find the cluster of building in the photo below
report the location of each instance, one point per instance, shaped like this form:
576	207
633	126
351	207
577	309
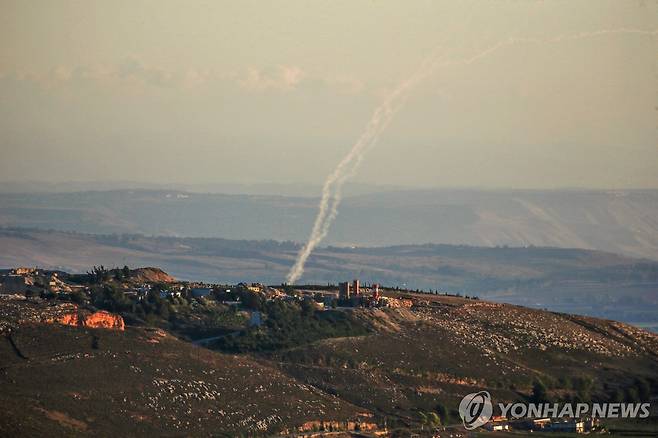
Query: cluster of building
268	292
35	281
31	280
352	294
569	425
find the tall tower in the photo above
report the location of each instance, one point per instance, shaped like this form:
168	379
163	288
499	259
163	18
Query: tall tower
344	290
357	287
375	292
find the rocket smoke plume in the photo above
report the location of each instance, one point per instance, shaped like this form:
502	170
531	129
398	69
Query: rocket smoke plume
381	118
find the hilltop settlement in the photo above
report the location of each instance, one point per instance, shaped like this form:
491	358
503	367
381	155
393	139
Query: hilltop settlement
136	351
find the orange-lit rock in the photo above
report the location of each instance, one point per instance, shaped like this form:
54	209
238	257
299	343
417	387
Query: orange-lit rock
103	319
151	275
65	313
100	319
333	426
398	303
365	426
69	319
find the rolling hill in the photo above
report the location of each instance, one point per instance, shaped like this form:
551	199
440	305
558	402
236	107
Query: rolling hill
570	280
144	382
410	363
623	222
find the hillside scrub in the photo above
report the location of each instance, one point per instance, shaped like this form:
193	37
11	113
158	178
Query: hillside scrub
289	324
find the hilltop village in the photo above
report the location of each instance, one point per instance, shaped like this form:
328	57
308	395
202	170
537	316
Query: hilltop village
358	358
237	318
112	289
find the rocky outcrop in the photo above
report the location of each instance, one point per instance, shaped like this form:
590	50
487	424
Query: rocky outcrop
100	319
335	426
103	319
154	275
69	319
398	303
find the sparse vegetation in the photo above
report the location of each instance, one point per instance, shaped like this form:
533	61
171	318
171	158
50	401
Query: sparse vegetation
289	324
409	365
539	392
578	280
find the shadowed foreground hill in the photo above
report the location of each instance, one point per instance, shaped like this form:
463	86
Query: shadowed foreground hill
444	348
413	364
63	381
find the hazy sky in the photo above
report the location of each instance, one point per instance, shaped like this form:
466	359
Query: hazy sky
203	92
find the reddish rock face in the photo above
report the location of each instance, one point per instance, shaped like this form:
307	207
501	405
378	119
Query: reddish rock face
330	425
103	319
69	319
151	274
100	319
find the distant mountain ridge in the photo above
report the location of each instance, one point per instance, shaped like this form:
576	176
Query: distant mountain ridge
623	222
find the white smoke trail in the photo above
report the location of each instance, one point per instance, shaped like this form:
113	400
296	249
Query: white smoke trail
332	188
381	118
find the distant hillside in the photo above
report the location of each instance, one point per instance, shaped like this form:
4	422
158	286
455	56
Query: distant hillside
623	222
228	188
571	280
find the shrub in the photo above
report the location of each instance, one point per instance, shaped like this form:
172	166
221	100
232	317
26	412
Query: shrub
442	413
539	392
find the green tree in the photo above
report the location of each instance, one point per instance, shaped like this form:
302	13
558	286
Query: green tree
643	389
307	307
539	392
433	419
617	396
78	296
98	274
631	395
252	300
163	310
443	413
